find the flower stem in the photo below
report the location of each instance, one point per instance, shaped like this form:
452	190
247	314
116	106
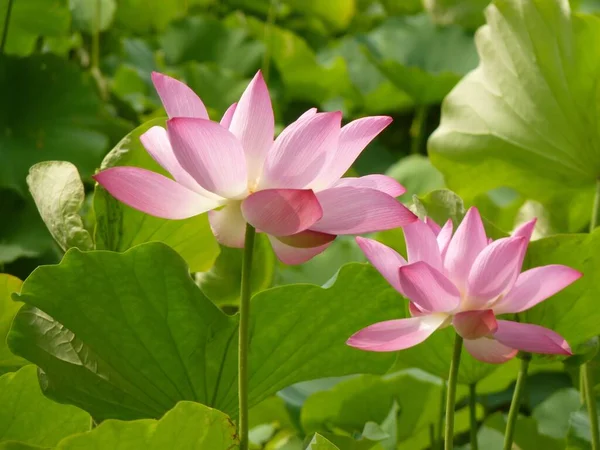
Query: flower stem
244	335
451	393
592	407
515	405
473	415
418	129
440	430
6	23
586	384
268	37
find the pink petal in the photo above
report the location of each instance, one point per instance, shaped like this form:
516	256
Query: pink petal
444	236
294	255
309	113
381	183
211	154
489	350
531	338
495	270
156	142
228	115
348	210
253	124
475	324
393	335
153	193
534	286
307	239
228	225
282	212
525	231
429	289
178	99
468	241
386	260
421	244
434	226
354	137
300	151
414	310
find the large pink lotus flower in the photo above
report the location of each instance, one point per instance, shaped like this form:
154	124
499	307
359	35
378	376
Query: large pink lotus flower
289	188
465	280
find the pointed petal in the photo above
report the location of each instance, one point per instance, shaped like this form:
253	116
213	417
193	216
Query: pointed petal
531	338
525	231
348	210
211	154
429	289
300	151
381	183
475	324
489	350
228	115
536	285
421	244
254	125
153	193
468	241
307	239
443	238
156	142
178	99
495	270
309	113
228	225
294	255
431	224
386	260
354	137
282	212
393	335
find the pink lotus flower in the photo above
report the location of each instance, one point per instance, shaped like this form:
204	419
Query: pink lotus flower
289	188
465	280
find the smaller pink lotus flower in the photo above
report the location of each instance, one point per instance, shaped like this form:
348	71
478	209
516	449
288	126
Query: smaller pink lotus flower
289	188
465	280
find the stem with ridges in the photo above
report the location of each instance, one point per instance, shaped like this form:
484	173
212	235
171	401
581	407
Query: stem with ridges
451	393
418	129
473	415
6	23
515	404
244	335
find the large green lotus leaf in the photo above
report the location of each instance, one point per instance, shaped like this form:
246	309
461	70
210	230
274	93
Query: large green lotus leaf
466	13
204	39
146	16
31	19
187	426
420	58
552	415
24	235
119	227
50	111
417	175
8	310
573	312
128	335
27	416
527	435
526	118
58	193
580	434
222	282
318	442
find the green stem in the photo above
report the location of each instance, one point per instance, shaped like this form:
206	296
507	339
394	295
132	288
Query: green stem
451	395
244	335
515	405
592	407
473	415
6	22
440	435
586	380
266	64
95	63
418	129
